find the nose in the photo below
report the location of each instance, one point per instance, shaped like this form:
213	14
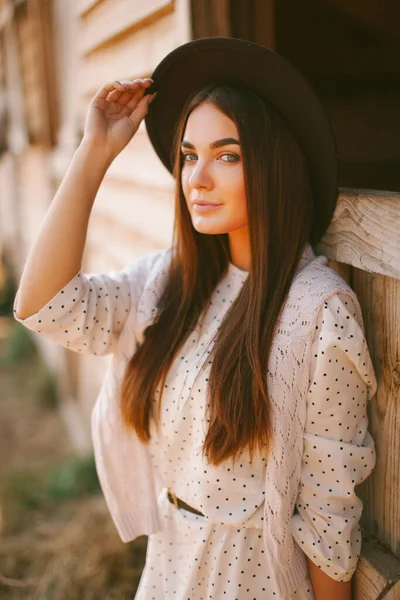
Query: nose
200	176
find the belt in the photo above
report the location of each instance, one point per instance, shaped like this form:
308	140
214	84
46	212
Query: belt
181	504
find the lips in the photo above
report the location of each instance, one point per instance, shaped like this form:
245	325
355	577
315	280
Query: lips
204	203
205	208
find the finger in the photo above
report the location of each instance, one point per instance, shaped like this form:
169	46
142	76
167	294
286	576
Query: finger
135	90
109	87
143	81
114	96
130	87
126	97
141	110
133	102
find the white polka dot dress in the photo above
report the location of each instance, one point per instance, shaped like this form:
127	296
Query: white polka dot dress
221	554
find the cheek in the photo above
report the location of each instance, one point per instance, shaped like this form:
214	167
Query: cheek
184	186
234	183
185	175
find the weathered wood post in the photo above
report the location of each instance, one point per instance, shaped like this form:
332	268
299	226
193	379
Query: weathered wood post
363	243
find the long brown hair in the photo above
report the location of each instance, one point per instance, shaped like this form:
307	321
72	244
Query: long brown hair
279	210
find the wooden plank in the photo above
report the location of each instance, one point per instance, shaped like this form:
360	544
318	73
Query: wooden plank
377	572
201	18
380	300
36	55
85	6
183	24
345	271
220	18
6	13
136	209
364	231
18	138
139	164
393	593
100	257
264	23
133	56
111	245
242	20
43	11
32	76
111	18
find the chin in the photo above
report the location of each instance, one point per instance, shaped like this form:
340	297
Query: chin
209	230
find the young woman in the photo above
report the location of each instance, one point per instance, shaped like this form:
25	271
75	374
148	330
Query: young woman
231	426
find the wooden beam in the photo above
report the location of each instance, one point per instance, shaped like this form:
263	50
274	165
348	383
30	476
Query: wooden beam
136	209
110	19
264	23
6	13
138	164
393	593
85	6
220	18
135	55
377	573
200	18
183	22
364	231
18	138
379	297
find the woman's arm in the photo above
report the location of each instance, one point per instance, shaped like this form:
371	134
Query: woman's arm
326	588
338	451
56	254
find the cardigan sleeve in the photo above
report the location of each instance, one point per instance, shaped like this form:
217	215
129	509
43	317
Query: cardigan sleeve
88	313
338	451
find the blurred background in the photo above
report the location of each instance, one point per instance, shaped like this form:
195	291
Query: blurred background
57	540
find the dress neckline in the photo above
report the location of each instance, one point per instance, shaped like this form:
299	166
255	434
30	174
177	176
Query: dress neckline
234	269
306	257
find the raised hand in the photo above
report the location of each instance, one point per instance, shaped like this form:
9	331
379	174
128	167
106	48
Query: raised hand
115	114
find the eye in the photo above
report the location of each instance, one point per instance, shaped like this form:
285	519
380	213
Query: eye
185	156
231	157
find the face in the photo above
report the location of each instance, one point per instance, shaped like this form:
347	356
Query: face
212	172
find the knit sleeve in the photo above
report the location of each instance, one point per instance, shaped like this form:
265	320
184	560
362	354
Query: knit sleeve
87	315
338	451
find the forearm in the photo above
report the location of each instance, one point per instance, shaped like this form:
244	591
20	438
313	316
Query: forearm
56	255
326	588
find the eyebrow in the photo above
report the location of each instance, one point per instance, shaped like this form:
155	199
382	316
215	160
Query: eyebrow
213	145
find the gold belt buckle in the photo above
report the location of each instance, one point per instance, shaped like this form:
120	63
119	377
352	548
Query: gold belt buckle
174	498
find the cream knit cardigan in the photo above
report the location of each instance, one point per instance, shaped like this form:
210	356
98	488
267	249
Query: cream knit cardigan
123	462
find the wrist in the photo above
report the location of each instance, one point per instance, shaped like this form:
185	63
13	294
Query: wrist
92	151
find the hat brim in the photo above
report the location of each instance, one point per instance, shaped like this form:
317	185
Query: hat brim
207	61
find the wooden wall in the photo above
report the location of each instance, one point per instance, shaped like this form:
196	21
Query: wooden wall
91	42
125	39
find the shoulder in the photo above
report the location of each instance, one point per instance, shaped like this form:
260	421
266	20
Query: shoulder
146	270
339	336
149	263
317	282
341	311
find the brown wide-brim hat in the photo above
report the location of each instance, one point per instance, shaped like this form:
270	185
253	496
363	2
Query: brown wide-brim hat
216	60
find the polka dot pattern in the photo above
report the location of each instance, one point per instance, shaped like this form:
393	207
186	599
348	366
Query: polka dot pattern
88	314
232	497
338	451
196	559
224	552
